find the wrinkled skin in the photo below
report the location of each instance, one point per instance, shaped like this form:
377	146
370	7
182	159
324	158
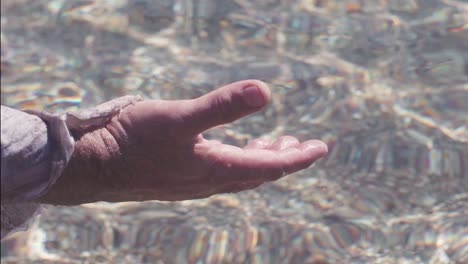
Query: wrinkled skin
154	150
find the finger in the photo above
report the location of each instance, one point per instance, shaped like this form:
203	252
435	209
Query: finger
239	187
214	142
284	143
257	144
225	105
235	164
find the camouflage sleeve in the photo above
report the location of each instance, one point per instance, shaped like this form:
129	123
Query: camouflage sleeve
35	149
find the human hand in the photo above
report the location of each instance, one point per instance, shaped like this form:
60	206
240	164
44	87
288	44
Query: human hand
154	150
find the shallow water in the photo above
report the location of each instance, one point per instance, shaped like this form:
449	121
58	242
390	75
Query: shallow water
384	83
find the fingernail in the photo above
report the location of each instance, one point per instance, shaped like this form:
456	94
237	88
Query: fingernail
253	96
317	145
325	147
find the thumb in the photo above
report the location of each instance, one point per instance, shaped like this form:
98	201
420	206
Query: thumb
227	104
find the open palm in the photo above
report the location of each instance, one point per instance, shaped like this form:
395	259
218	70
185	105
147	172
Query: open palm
154	150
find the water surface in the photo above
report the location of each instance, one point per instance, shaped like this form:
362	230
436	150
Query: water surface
384	83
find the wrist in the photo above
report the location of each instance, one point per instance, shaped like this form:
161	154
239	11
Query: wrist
80	180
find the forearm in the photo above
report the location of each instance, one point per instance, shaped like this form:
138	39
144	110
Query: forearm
40	164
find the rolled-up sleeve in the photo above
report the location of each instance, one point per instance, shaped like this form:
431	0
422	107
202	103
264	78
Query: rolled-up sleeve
35	148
